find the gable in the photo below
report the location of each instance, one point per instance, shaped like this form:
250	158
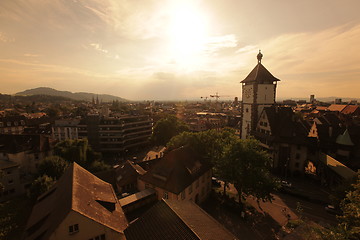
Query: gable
313	131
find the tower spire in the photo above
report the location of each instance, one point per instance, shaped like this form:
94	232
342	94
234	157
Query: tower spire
259	56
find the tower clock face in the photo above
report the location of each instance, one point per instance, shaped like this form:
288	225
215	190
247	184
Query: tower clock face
247	93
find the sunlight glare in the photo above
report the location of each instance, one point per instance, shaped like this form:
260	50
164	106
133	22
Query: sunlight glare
188	33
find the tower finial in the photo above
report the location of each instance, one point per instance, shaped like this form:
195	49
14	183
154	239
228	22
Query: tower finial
259	56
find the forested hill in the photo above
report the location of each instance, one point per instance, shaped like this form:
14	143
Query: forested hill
75	96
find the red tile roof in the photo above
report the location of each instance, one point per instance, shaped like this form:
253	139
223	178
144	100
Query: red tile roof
80	191
350	109
336	107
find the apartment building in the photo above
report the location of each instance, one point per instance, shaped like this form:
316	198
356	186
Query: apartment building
118	134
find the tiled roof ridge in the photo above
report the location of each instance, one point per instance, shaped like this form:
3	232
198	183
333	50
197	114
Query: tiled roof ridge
75	165
72	183
182	220
201	210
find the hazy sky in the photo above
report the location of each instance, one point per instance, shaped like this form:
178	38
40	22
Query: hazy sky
184	49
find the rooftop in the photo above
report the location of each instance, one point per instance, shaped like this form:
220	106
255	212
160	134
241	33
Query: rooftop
80	191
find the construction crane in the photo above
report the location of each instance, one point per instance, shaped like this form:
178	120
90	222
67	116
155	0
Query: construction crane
217	96
205	98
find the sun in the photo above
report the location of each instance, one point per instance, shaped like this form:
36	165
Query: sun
188	32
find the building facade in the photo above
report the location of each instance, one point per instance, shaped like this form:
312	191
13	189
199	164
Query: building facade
179	175
258	91
116	135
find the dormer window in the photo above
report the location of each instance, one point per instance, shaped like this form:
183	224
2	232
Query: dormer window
166	195
73	229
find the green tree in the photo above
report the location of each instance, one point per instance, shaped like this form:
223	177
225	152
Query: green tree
246	166
350	206
233	159
166	128
79	151
209	144
53	167
339	192
40	186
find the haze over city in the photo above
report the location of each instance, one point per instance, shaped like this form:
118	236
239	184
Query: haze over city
179	49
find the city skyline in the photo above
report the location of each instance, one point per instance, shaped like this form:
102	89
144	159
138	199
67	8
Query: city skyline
179	49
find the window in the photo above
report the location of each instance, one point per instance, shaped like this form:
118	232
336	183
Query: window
166	195
8	172
100	237
297	156
11	181
73	228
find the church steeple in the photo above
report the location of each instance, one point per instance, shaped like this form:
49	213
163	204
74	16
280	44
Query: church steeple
259	56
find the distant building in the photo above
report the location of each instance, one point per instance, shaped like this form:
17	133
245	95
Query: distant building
79	206
10	179
116	135
312	98
180	175
338	101
64	129
12	125
27	150
258	91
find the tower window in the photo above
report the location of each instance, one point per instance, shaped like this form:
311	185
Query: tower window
247	110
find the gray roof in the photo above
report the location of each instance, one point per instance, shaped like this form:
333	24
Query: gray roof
260	75
176	170
177	220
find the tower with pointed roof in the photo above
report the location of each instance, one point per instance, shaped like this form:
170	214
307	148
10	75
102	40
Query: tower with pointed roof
258	91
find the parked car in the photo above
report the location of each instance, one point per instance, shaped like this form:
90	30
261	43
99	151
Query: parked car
333	210
215	182
286	184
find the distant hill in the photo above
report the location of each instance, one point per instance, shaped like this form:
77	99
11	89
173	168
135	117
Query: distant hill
84	96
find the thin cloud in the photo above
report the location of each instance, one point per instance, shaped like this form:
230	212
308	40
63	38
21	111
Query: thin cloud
5	38
98	47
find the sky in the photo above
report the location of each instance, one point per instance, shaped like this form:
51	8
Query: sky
179	49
